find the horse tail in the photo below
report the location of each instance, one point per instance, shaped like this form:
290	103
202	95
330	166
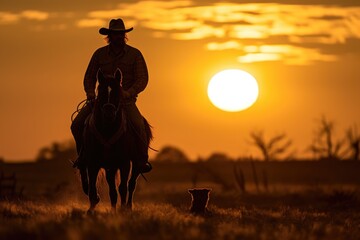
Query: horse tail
149	134
148	131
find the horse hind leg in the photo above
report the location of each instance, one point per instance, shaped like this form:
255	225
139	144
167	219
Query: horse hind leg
132	185
110	178
93	195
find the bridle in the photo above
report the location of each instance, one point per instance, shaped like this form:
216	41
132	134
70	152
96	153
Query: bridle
116	111
109	105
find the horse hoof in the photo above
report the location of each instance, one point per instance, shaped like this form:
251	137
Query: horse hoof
124	209
113	210
90	212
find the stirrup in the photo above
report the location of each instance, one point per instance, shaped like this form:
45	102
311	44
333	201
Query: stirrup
75	163
78	163
78	160
144	168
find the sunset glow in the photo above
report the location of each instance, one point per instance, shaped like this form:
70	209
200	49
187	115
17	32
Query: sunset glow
180	119
304	56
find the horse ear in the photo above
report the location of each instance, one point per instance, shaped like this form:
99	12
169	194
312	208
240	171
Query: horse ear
118	75
100	76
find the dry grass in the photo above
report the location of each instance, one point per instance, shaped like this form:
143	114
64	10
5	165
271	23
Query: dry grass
323	205
301	215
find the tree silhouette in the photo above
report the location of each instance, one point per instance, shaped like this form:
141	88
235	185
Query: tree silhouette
57	151
324	146
218	157
353	142
171	154
273	148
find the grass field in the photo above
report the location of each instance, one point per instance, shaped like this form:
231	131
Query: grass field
307	214
53	207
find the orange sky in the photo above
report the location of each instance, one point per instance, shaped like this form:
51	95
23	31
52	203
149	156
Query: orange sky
305	57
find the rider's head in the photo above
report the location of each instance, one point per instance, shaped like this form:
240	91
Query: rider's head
116	33
116	38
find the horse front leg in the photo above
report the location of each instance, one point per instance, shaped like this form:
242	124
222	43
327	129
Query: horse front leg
93	195
132	185
110	178
123	187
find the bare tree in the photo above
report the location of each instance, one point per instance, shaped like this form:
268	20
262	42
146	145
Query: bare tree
171	154
353	142
57	151
218	157
273	148
324	146
239	177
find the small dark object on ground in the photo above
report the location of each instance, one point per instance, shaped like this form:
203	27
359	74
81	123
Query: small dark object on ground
200	199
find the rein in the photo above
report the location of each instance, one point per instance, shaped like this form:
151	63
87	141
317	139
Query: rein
79	108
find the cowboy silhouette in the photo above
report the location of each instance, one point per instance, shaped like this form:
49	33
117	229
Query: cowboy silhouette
117	54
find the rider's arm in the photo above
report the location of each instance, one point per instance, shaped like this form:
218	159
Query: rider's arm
90	76
141	75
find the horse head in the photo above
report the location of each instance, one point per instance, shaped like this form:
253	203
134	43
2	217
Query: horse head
109	95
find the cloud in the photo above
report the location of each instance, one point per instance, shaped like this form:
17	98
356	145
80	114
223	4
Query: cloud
214	46
248	32
84	23
144	10
8	18
263	19
12	18
289	54
178	25
259	57
234	24
200	32
34	15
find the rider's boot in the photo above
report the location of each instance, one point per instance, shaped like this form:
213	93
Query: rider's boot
143	166
80	160
77	130
141	162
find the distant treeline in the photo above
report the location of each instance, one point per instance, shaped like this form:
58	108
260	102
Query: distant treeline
49	178
325	145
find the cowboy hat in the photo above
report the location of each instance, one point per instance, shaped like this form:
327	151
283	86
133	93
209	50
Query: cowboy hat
115	25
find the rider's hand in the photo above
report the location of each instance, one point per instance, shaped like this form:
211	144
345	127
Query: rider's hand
126	94
90	97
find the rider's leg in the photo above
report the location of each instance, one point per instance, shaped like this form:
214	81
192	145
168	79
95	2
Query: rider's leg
141	160
77	129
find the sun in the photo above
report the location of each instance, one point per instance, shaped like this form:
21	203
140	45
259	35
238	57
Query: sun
233	90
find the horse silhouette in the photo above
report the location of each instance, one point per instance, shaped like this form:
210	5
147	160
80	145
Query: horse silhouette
110	143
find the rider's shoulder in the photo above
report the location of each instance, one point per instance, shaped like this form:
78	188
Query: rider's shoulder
132	49
101	50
